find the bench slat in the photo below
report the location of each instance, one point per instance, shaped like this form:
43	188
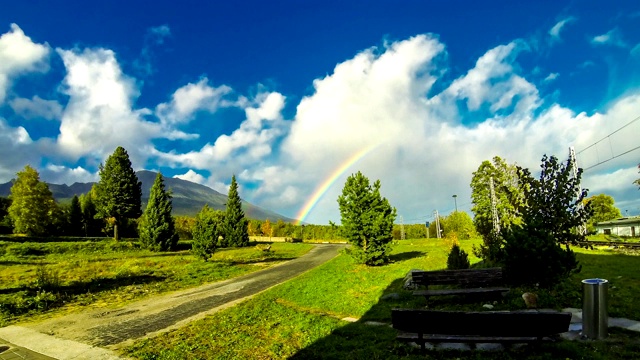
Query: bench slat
411	337
485	323
478	291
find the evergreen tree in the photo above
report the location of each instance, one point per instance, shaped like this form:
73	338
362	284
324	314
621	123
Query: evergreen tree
207	230
235	228
538	251
90	224
33	208
367	219
118	193
75	217
157	229
6	227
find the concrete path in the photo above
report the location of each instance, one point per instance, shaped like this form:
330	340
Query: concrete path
84	335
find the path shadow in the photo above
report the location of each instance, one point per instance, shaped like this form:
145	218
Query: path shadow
257	261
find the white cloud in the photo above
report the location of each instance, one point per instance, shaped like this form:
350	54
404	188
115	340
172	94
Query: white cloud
494	81
192	176
612	37
18	54
99	115
554	32
36	107
190	98
551	77
159	33
60	174
247	145
17	149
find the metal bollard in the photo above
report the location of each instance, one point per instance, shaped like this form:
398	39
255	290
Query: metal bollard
595	319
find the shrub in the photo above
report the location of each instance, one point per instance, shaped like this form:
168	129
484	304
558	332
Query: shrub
458	259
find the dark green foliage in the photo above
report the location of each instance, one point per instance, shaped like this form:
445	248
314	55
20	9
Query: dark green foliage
76	227
90	225
157	228
118	193
207	230
235	224
367	219
33	209
538	250
457	259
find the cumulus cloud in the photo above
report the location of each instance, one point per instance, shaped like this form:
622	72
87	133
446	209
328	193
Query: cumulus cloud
17	149
36	107
247	145
612	37
190	98
60	174
192	176
99	116
18	54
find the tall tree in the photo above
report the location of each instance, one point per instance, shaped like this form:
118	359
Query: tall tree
207	230
236	233
90	224
118	193
460	223
509	198
367	219
538	251
157	229
6	227
266	228
603	209
75	217
637	182
33	208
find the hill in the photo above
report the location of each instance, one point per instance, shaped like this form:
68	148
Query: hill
188	197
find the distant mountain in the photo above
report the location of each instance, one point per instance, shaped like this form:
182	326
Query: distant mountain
188	197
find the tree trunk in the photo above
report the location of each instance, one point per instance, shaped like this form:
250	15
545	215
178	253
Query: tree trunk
115	232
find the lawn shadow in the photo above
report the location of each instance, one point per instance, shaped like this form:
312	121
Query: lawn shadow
406	256
256	261
105	284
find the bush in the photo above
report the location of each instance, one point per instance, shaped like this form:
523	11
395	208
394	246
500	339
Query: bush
458	259
207	230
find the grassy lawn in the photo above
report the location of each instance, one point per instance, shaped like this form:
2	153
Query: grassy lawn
303	318
43	279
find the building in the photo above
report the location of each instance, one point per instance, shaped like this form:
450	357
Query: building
622	227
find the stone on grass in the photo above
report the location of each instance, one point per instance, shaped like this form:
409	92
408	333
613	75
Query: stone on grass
487	306
408	280
530	299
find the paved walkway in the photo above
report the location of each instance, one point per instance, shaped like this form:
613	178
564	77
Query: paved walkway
84	336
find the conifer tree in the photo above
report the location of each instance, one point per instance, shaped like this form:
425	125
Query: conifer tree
33	207
367	219
157	227
207	230
75	217
90	224
118	193
236	233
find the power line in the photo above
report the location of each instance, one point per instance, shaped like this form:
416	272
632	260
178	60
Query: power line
613	157
597	142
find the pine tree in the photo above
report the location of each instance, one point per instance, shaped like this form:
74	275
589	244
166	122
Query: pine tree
90	224
32	208
75	217
118	193
157	228
235	228
367	219
207	230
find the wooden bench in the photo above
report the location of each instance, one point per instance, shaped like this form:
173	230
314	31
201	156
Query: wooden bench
431	326
470	282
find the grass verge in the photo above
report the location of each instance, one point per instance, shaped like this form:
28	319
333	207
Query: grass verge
305	318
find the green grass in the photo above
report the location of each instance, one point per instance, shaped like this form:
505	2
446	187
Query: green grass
303	317
51	278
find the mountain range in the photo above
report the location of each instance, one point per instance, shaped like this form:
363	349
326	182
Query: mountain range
188	197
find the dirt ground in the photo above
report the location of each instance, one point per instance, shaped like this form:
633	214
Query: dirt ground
115	328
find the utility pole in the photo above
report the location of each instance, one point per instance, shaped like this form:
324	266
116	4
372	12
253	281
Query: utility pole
455	201
437	224
401	228
582	228
494	208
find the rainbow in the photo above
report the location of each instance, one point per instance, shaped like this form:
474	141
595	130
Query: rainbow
326	184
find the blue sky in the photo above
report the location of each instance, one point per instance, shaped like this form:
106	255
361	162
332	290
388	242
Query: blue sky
283	93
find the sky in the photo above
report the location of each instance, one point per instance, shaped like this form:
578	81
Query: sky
294	96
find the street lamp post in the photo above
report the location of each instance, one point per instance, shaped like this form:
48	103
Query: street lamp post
455	200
